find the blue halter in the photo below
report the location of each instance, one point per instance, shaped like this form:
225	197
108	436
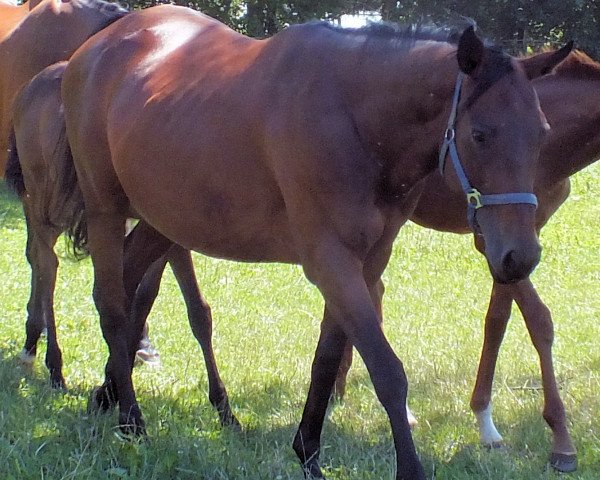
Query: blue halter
475	200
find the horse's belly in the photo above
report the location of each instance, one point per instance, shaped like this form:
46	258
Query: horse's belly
212	207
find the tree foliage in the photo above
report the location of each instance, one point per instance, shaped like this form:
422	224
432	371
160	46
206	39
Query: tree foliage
519	25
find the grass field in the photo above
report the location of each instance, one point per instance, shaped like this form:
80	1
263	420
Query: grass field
266	326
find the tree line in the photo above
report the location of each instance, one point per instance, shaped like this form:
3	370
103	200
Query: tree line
518	25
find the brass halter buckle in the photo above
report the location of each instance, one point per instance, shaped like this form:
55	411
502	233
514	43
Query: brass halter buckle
474	198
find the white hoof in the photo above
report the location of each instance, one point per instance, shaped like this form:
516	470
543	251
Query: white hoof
26	358
412	421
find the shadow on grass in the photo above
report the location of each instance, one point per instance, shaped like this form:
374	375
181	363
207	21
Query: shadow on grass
49	431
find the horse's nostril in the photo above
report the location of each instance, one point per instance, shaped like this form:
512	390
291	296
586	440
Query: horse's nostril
508	263
516	267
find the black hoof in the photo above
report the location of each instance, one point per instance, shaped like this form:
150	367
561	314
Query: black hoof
58	384
563	462
496	446
229	420
58	381
101	400
131	424
312	471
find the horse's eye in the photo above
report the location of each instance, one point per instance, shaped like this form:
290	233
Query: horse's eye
478	136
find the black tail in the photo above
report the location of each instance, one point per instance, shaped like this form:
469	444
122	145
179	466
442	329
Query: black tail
68	198
13	173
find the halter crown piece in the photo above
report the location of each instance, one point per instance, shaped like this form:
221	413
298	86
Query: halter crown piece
475	200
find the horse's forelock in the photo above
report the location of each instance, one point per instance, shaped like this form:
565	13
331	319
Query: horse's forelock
496	65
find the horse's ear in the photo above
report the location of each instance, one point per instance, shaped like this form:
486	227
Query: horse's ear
544	63
470	51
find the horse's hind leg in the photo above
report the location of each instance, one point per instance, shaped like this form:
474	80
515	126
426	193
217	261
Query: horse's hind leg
142	248
496	321
40	308
200	319
539	323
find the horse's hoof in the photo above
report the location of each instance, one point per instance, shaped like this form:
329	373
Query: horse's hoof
563	462
148	355
26	358
412	421
312	470
229	420
101	400
498	445
132	424
58	383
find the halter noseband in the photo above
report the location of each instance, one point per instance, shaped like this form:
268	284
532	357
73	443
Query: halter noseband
475	200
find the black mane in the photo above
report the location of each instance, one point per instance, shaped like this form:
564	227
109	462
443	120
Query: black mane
409	33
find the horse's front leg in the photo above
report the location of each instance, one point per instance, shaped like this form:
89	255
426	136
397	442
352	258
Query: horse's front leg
539	323
351	314
307	442
341	379
496	321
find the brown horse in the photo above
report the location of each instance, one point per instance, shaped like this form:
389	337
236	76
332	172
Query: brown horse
570	99
303	148
49	33
37	158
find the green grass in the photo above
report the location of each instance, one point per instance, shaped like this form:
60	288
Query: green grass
266	326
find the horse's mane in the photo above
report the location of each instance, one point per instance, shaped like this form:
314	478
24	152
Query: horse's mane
579	65
407	34
110	9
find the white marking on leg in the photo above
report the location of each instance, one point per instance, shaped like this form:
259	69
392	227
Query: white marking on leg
412	421
488	434
26	358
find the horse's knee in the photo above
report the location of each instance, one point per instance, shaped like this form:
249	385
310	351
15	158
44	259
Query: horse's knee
554	414
542	329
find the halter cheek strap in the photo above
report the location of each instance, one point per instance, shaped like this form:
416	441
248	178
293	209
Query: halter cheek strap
475	200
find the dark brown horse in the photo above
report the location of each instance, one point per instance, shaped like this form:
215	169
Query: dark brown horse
32	40
303	148
573	143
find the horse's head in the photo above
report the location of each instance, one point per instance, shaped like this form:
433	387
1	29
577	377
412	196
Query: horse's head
491	150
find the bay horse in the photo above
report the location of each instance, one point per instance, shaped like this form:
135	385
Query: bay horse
570	99
37	155
302	148
40	33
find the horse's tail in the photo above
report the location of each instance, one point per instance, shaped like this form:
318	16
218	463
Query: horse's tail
13	174
67	197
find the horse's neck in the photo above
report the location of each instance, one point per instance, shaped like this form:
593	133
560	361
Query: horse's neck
402	106
573	111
